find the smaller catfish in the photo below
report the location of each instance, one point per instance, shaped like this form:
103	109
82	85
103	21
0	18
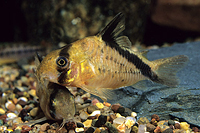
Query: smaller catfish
56	101
101	63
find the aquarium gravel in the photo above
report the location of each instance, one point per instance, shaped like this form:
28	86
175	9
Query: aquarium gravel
20	111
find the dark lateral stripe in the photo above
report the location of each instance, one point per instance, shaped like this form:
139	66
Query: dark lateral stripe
64	50
139	64
109	35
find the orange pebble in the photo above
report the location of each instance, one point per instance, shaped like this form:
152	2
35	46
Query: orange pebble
157	130
107	104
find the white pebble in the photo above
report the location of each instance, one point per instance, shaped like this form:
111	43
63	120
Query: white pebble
119	120
3	128
131	118
86	95
96	112
142	128
83	115
134	114
79	129
78	99
11	116
23	99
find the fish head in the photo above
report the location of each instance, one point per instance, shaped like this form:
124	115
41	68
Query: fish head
56	68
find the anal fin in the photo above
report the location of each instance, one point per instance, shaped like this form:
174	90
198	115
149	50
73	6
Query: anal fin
107	93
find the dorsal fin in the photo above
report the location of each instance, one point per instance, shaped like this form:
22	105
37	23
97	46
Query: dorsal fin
123	41
116	26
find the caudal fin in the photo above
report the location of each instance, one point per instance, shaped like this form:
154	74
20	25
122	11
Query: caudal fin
167	68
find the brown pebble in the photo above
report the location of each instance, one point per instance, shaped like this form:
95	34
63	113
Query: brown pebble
171	126
195	129
25	129
11	106
44	127
21	102
154	122
177	126
156	117
115	107
150	127
14	100
112	117
157	130
70	126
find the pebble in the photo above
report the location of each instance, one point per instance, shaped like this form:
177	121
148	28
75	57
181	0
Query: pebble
79	125
115	107
90	130
121	128
79	129
83	115
25	128
107	104
118	115
101	121
95	101
22	101
157	130
88	95
100	105
96	112
168	130
171	122
134	129
11	116
129	123
111	127
44	127
2	111
177	126
78	99
118	121
142	128
150	127
10	105
87	123
32	92
134	114
156	117
17	120
34	111
195	129
143	120
18	107
185	126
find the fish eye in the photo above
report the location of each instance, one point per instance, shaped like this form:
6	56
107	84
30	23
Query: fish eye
61	61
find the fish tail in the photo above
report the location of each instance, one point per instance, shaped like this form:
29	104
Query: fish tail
166	69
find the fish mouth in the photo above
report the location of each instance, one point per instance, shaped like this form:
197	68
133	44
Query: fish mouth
63	76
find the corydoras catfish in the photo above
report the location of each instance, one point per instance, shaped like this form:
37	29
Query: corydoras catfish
105	62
